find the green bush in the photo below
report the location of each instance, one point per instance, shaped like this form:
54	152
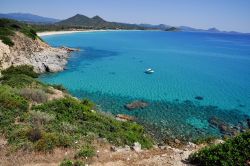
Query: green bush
22	69
34	134
9	99
20	81
59	87
66	163
88	103
235	151
85	151
65	141
9	27
47	143
6	40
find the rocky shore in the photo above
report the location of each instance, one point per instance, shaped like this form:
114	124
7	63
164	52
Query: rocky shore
37	53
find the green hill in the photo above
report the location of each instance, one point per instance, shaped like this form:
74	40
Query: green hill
94	23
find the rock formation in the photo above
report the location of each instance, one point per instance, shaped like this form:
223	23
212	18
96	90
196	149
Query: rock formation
136	105
32	52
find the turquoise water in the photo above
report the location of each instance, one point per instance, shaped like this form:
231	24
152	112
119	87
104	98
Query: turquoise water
110	67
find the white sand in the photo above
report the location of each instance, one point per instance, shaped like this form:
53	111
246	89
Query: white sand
47	33
66	32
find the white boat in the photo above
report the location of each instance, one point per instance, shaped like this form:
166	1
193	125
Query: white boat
149	71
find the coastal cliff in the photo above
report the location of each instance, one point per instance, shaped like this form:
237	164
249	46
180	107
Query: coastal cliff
20	45
25	50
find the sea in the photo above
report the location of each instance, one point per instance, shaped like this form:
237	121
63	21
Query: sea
198	78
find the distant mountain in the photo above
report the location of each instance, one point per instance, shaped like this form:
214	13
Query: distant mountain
184	28
160	26
213	30
95	22
30	18
175	29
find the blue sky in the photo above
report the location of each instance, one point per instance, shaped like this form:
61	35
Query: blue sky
222	14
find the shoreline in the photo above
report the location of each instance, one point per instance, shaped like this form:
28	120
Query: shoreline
48	33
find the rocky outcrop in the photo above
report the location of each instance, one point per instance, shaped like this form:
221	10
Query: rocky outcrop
136	105
33	52
122	117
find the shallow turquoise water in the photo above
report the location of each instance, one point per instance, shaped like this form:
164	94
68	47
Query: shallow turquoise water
109	69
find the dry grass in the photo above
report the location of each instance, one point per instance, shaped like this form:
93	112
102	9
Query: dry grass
35	95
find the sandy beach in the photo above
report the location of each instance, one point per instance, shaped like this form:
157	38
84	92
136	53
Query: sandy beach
47	33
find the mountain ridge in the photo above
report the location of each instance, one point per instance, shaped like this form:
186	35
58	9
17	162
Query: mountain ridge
97	22
30	18
80	20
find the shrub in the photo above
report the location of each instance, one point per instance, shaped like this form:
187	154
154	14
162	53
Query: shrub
47	143
20	81
66	163
65	140
39	118
88	103
59	87
85	151
79	163
18	135
234	151
68	128
22	69
71	163
34	134
35	95
67	109
10	100
6	40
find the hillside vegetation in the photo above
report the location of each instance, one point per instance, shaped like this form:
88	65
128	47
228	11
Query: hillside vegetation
235	151
32	122
9	27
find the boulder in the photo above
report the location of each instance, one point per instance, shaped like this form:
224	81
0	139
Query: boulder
136	105
177	141
120	149
137	147
191	145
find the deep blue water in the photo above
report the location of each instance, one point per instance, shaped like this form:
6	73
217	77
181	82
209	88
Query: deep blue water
109	69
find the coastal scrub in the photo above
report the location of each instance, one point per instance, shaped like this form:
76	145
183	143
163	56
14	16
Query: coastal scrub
31	122
234	151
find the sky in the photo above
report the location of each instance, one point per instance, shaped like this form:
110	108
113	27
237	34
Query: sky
229	15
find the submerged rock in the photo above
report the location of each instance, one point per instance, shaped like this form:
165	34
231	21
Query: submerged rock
122	117
225	128
68	49
136	105
199	98
248	123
